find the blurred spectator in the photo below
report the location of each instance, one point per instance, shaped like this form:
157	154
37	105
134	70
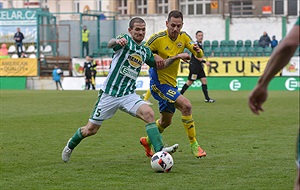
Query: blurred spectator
85	40
3	50
274	42
24	55
19	38
264	40
56	73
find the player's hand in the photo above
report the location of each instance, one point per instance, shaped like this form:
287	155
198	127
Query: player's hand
207	63
184	56
196	47
121	41
256	99
160	63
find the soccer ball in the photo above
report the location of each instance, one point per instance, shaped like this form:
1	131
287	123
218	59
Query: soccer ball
162	162
58	71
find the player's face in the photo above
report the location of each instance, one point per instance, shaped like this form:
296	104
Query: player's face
174	26
199	36
138	32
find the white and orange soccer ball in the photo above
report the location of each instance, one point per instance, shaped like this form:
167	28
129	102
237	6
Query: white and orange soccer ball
162	162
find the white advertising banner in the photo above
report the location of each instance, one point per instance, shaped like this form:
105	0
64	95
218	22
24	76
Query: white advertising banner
292	68
78	83
102	67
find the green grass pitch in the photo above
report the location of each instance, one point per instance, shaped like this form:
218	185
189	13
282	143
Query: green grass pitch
244	151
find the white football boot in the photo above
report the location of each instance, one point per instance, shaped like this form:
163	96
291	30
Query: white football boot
66	153
171	149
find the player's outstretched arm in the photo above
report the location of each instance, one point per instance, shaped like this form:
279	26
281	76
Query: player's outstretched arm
184	56
161	63
279	58
114	42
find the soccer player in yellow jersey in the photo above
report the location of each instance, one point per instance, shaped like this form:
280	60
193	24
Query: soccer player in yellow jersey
163	83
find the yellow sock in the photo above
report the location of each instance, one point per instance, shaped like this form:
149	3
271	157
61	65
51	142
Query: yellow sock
160	128
189	126
147	95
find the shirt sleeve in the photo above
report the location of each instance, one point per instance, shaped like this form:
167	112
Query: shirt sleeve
151	44
118	47
189	44
150	59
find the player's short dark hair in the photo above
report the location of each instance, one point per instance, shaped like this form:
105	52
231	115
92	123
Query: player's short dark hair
175	14
135	20
199	31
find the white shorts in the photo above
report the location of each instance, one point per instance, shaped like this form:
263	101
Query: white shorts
106	106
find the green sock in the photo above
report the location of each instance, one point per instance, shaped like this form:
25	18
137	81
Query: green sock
76	139
154	136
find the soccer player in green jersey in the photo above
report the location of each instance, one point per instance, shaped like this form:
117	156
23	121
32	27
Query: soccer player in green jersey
118	90
279	58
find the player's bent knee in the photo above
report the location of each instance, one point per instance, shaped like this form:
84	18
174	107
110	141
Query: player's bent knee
203	81
189	83
146	113
186	105
148	116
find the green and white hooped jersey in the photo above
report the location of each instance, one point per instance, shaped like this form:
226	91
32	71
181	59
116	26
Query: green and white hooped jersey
126	66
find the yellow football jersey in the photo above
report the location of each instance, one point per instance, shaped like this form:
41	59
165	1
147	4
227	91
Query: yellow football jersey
163	46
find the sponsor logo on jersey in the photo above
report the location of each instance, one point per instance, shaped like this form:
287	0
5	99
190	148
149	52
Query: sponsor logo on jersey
179	44
135	60
127	71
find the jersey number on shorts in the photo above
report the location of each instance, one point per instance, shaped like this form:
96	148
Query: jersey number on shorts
98	112
171	93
